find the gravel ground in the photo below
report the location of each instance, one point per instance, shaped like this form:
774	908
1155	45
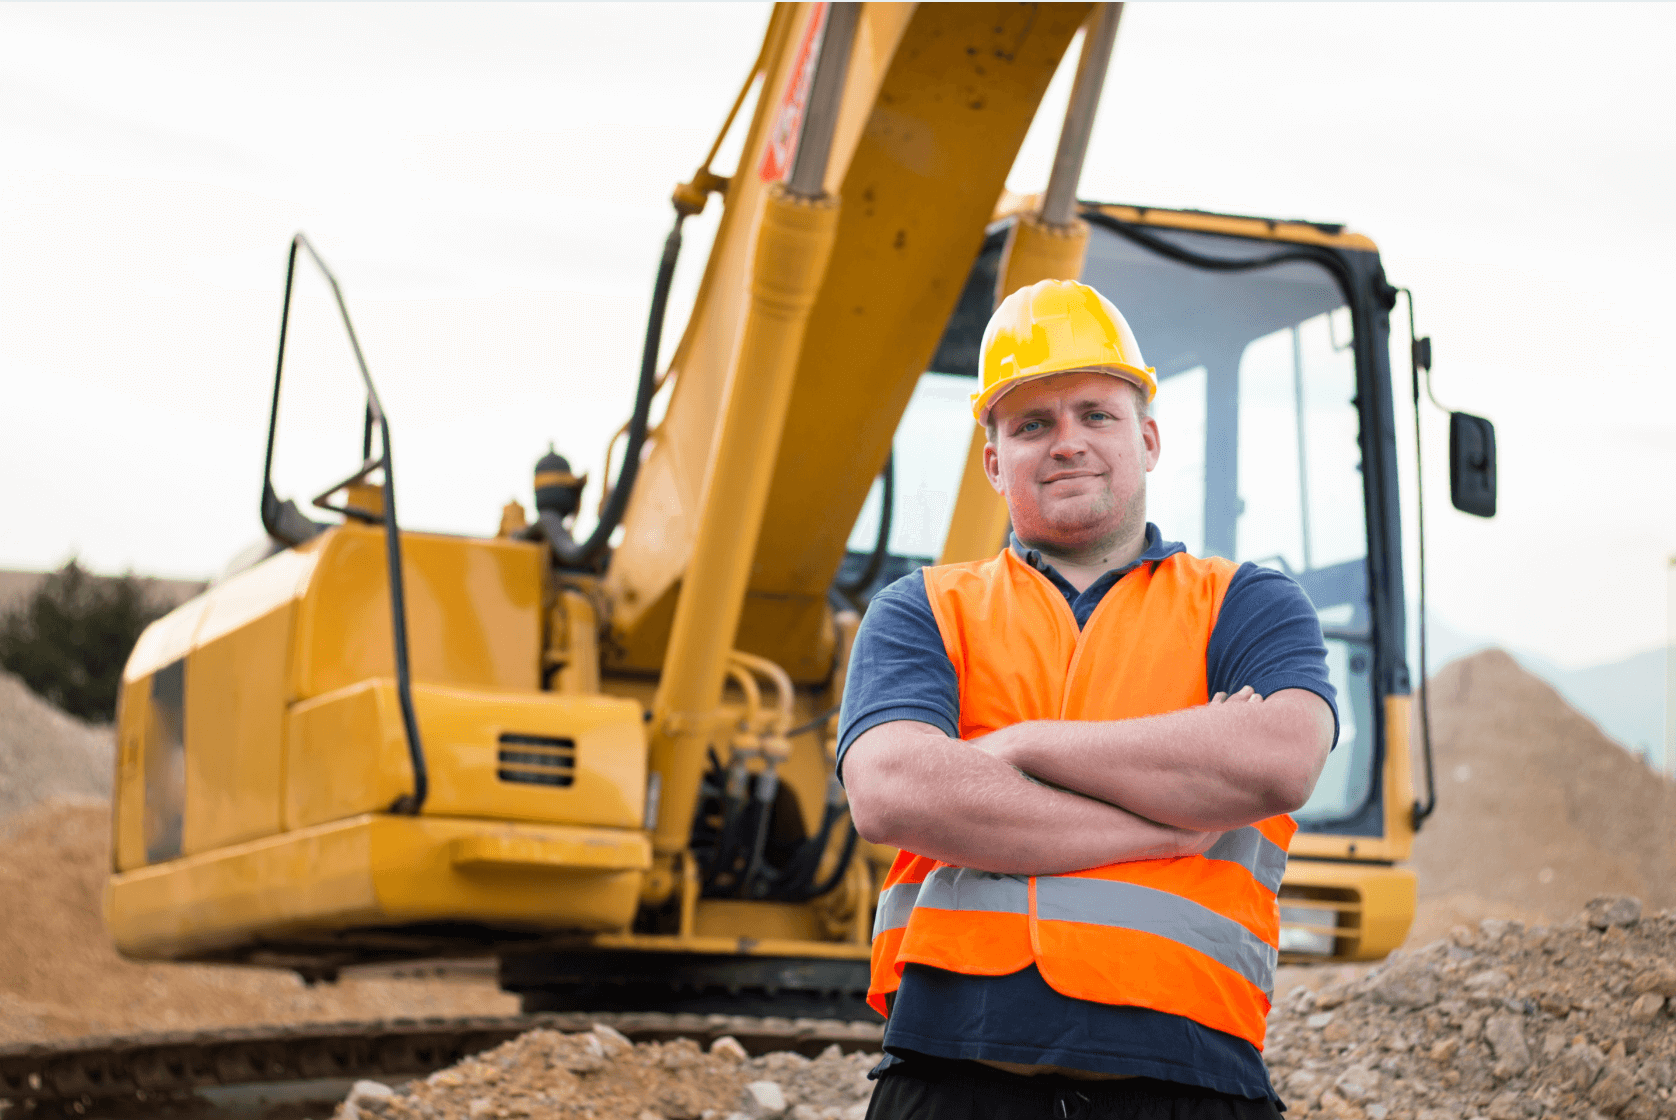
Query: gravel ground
1500	1022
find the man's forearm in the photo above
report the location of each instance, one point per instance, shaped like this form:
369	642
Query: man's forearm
938	797
1214	767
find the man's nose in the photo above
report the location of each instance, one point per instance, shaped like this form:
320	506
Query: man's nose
1068	442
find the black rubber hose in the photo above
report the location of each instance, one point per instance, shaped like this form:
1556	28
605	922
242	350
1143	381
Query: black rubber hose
735	800
768	788
881	544
838	868
793	886
1148	239
570	554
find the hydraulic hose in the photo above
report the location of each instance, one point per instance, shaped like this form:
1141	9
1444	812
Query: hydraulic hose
734	803
839	868
767	790
795	882
881	543
568	553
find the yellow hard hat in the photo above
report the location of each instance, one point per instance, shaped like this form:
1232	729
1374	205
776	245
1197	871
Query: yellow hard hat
1056	326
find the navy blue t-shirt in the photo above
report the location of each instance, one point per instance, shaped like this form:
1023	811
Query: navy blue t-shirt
1267	636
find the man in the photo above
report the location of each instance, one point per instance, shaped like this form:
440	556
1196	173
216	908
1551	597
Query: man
1086	748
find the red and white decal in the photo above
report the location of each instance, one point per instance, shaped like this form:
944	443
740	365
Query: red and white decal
788	122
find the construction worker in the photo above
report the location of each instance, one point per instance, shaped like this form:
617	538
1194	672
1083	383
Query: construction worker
1085	748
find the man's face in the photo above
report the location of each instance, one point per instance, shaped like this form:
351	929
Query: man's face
1070	455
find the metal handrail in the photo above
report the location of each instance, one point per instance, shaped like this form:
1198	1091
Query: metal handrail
285	523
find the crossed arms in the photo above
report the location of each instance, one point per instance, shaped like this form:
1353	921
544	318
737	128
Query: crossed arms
1147	788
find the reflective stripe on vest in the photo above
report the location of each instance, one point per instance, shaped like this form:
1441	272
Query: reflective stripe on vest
895	904
1255	852
1103	902
1061	898
1196	936
961	888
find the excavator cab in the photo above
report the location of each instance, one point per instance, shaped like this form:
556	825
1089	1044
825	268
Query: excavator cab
1270	341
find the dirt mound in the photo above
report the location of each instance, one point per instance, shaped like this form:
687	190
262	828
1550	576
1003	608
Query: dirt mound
45	753
1499	1022
602	1076
60	976
1538	810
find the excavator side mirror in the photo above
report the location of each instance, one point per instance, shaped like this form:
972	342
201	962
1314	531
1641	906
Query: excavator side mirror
1472	464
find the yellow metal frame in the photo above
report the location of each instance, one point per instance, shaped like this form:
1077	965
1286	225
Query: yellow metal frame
461	731
1366	908
1397	781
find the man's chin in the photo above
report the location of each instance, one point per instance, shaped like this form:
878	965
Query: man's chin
1072	533
1090	517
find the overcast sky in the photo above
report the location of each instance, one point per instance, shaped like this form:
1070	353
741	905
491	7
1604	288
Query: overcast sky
491	184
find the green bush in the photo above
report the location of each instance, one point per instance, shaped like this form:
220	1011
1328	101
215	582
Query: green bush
69	639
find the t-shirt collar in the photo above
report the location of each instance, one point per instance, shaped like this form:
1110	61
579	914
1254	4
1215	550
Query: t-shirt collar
1157	548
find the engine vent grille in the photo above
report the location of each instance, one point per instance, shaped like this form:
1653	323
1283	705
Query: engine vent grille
1317	922
536	760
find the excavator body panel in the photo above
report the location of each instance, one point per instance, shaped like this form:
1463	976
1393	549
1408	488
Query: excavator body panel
264	750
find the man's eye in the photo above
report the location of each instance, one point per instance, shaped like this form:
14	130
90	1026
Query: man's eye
1029	426
1099	416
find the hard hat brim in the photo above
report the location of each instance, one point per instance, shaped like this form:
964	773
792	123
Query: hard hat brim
984	402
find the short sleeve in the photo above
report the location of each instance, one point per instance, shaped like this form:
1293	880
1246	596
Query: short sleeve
1269	637
898	669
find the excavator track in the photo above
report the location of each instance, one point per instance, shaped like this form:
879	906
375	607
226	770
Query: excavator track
154	1067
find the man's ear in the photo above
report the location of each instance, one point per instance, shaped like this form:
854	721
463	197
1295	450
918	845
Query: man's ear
1149	440
992	467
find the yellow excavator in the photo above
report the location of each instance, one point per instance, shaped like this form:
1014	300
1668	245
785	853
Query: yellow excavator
608	760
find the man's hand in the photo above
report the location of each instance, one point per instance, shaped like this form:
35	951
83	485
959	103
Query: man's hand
1234	761
913	787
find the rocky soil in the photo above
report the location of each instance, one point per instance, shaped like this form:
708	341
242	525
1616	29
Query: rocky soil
1498	1022
602	1076
1502	1022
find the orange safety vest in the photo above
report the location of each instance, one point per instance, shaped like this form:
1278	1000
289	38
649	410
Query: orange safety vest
1196	936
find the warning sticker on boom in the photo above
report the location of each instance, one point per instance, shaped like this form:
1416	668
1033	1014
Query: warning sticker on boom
788	122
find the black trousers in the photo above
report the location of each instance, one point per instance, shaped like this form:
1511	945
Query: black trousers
942	1089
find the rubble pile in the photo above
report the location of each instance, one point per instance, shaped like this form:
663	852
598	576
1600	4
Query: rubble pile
1551	810
1499	1022
45	753
601	1075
